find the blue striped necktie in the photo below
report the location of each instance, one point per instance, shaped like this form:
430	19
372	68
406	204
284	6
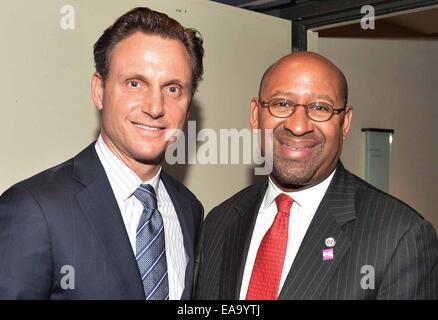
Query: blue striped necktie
150	246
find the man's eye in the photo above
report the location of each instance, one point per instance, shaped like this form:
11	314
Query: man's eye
133	84
174	89
284	104
320	107
280	104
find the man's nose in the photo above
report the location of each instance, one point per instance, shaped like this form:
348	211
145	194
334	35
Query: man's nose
299	123
153	103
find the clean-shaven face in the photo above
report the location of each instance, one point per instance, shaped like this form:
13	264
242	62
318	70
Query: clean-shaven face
146	94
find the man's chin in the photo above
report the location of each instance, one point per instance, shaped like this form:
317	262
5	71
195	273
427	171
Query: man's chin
291	183
296	179
150	158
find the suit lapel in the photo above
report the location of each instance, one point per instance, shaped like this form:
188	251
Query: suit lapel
101	210
185	215
237	243
309	274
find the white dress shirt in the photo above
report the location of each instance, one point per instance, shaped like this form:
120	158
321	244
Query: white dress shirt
124	182
303	209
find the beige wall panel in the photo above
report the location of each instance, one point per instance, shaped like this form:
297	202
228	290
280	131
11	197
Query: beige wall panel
47	114
393	84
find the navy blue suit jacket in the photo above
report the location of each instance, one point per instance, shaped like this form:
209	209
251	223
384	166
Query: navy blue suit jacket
67	219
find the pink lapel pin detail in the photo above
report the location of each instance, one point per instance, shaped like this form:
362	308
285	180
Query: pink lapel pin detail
327	254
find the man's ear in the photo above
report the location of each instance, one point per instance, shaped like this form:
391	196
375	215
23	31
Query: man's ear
97	88
254	114
347	122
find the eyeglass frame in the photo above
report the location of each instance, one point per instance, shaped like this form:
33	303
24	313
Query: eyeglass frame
334	110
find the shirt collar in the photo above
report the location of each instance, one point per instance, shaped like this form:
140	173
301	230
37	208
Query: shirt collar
124	181
309	198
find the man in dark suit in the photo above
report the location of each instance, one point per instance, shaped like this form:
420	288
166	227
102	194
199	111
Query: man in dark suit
110	223
312	230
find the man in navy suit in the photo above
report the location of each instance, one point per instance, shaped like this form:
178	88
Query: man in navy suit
80	230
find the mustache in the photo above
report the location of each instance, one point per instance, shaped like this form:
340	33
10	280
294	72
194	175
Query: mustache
289	138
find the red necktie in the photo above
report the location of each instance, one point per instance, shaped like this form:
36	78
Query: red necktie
268	266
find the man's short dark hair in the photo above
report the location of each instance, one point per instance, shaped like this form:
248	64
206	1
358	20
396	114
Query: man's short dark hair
154	23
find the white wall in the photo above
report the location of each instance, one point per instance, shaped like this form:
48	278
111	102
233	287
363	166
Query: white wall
47	114
394	84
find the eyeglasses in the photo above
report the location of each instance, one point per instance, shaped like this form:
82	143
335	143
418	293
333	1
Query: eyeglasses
317	111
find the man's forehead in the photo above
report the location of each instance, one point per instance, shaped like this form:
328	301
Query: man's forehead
300	66
303	69
288	79
149	52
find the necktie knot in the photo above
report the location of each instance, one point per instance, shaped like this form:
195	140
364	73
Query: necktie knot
284	203
145	193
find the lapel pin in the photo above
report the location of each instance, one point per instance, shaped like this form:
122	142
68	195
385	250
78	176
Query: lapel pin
327	254
330	242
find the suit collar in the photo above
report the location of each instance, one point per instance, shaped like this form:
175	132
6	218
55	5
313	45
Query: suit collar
185	215
309	274
309	198
340	196
86	166
235	250
100	208
247	203
123	180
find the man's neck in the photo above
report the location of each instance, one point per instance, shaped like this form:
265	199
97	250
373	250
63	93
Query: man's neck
145	171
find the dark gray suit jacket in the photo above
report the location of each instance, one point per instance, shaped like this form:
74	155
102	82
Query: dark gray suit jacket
68	216
371	228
